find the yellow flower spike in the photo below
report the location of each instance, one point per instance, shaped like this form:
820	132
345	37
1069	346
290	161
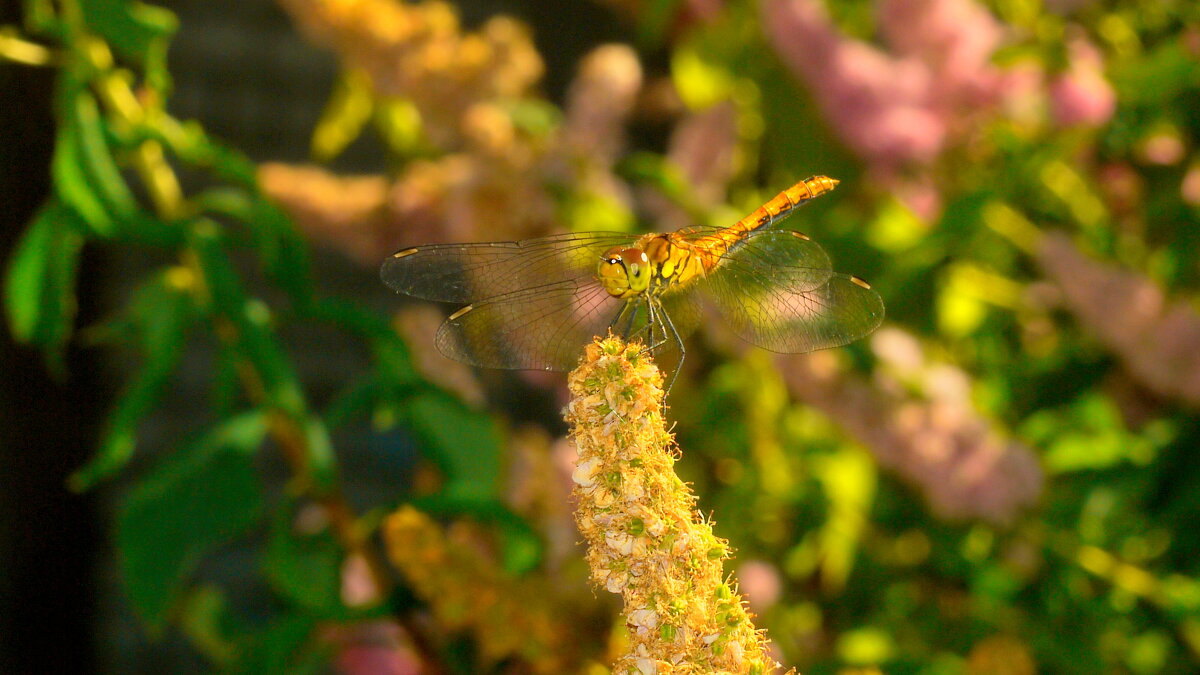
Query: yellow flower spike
510	618
646	541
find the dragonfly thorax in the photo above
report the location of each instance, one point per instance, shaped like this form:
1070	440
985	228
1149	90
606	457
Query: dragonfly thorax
624	272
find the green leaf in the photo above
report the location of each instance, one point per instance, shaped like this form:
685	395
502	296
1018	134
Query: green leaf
194	146
208	623
392	356
464	444
137	31
72	183
306	570
320	461
40	282
256	340
283	251
85	174
161	315
200	498
347	112
284	648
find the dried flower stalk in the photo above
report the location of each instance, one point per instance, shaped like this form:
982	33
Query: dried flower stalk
645	539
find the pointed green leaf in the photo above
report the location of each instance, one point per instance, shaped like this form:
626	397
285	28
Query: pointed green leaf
283	251
256	341
137	31
305	569
200	498
40	282
85	174
463	443
72	183
161	315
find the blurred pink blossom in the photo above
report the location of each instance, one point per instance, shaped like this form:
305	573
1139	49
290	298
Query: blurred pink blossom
374	648
359	587
1080	96
954	40
1189	189
1164	148
600	100
935	440
901	108
1157	340
760	582
703	147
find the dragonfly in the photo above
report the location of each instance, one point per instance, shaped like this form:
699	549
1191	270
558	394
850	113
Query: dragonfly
534	304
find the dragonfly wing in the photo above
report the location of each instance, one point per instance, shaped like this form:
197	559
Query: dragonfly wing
539	328
467	272
791	321
775	259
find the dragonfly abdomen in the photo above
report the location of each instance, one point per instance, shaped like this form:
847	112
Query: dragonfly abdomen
779	206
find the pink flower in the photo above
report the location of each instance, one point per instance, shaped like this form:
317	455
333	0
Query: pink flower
761	583
938	442
901	108
1158	340
877	104
1080	96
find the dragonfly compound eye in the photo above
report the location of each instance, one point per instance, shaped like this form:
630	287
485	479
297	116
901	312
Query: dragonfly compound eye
624	272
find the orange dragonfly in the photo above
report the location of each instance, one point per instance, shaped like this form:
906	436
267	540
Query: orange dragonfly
534	304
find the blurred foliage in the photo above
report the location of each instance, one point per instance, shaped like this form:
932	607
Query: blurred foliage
853	569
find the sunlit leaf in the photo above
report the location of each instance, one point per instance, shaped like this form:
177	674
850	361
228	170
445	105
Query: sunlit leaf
206	620
398	121
700	83
137	31
849	480
40	281
73	181
344	117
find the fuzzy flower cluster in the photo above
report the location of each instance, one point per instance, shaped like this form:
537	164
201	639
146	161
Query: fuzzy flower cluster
499	180
645	539
509	618
419	52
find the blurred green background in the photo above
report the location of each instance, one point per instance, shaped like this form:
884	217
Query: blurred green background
210	404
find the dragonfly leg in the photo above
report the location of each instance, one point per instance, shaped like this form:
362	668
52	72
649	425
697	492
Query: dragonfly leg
633	315
621	326
666	319
654	316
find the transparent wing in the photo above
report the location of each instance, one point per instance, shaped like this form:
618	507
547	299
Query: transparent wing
468	272
539	328
791	321
774	258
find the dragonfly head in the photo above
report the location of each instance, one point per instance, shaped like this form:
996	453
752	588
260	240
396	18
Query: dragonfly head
624	272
